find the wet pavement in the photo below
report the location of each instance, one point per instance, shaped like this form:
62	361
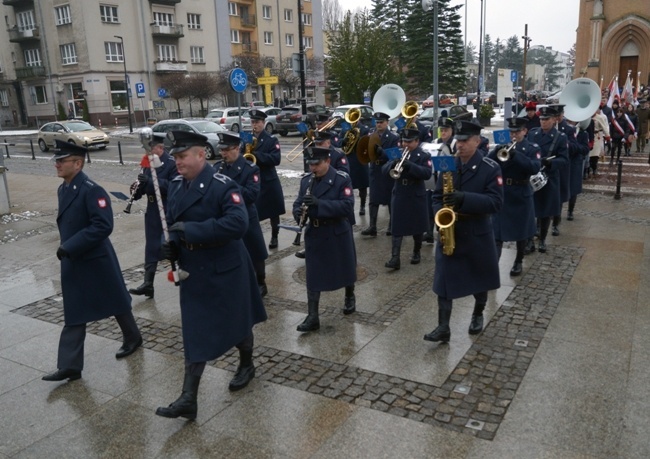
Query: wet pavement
560	370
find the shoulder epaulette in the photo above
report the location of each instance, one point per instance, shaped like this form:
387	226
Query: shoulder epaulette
342	174
88	183
222	178
306	174
177	178
490	162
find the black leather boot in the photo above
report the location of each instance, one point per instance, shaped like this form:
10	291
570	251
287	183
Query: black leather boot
146	288
363	193
245	371
417	246
516	269
476	325
394	262
372	229
350	300
185	406
530	247
311	322
442	332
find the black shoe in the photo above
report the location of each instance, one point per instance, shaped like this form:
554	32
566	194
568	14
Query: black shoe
476	325
441	333
389	233
542	247
263	290
393	263
516	269
350	305
144	289
310	324
570	216
128	349
242	377
370	231
273	243
530	248
362	211
300	253
415	258
184	406
555	231
60	375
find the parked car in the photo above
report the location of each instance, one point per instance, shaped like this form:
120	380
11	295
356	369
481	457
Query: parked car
366	110
227	117
287	120
208	128
456	112
74	131
445	101
269	124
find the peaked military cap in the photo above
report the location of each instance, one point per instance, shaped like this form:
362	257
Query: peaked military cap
322	136
546	111
257	115
559	108
409	134
322	117
65	149
228	139
516	124
381	116
157	138
182	140
445	122
465	129
314	155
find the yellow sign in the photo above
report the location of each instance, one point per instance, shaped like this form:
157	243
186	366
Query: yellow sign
267	80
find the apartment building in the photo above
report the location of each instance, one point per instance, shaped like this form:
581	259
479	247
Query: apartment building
75	53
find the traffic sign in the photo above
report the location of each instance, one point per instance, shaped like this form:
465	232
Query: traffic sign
238	80
162	93
139	89
267	80
513	76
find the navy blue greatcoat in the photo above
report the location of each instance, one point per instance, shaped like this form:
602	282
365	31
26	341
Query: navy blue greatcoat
331	260
409	200
247	176
270	202
91	278
516	219
381	185
152	226
577	157
573	149
548	201
339	160
359	173
220	300
474	266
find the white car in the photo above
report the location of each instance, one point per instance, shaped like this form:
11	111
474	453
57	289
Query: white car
269	123
228	117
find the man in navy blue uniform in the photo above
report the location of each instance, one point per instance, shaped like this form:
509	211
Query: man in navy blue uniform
247	176
565	172
473	267
91	279
381	185
358	171
152	225
270	203
577	155
327	198
220	300
548	200
516	220
409	200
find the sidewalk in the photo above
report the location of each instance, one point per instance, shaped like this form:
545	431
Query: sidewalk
560	371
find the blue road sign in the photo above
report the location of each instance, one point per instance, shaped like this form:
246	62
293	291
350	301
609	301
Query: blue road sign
238	80
513	76
162	93
139	89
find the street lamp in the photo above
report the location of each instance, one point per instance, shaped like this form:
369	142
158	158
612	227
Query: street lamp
126	84
428	5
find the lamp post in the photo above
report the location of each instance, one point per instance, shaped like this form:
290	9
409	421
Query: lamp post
428	5
126	84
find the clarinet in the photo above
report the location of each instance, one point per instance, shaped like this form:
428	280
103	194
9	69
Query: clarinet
303	215
134	186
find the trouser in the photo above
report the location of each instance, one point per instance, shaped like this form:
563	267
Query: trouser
544	224
572	203
641	141
275	222
593	164
617	145
260	271
521	245
71	343
445	305
196	368
363	195
558	218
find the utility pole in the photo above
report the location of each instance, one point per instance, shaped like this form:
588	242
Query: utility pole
301	52
527	41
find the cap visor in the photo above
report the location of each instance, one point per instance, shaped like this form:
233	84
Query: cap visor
64	155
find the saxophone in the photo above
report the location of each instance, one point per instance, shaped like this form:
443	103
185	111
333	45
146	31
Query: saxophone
445	218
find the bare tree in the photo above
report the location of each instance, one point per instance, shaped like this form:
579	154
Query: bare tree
203	86
177	87
332	14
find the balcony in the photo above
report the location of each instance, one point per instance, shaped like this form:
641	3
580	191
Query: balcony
248	20
16	35
170	66
165	2
25	73
17	2
249	47
169	31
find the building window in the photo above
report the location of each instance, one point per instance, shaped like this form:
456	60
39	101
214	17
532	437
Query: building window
25	20
288	39
307	42
62	14
306	19
163	19
108	13
114	52
39	95
196	55
234	36
4	98
68	54
166	52
268	38
288	15
33	58
266	11
193	21
232	9
118	95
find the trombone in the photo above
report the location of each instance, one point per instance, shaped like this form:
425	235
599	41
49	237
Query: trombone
311	135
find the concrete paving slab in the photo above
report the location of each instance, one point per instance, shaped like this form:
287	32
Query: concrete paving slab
15	329
15	375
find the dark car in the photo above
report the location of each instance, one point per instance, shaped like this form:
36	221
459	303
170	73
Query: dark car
288	119
456	112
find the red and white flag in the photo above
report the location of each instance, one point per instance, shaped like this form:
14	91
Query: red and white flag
628	91
613	91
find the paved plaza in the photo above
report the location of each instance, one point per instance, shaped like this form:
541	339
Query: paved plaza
560	371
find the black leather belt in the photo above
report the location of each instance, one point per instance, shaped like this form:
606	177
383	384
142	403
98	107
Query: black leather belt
471	216
510	181
407	182
379	162
316	222
212	245
151	197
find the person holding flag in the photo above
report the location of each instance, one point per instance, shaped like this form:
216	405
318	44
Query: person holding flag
619	130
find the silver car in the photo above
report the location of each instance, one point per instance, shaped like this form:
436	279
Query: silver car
269	123
208	128
228	117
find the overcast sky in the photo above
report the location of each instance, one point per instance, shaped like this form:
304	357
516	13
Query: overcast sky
550	22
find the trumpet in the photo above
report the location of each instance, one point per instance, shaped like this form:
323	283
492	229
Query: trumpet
396	172
505	153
